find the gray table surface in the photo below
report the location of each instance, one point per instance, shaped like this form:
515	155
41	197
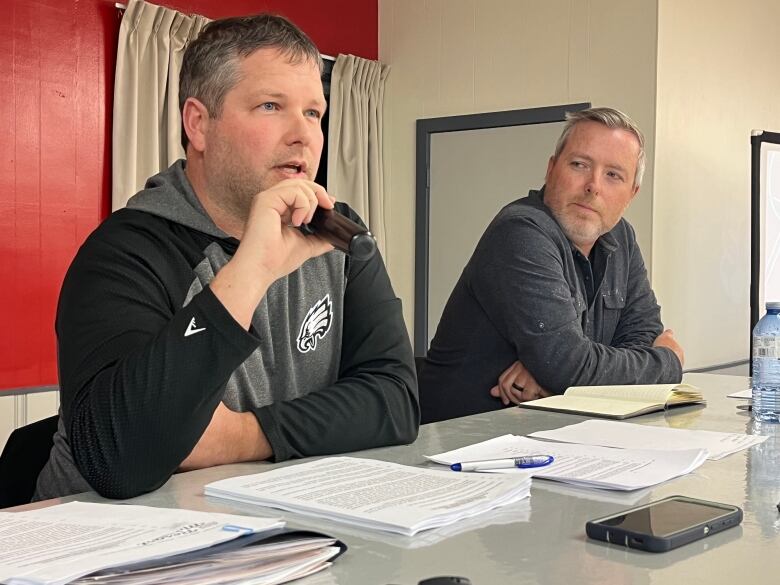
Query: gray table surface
542	539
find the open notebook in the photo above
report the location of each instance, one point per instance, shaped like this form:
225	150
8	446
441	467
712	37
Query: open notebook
619	401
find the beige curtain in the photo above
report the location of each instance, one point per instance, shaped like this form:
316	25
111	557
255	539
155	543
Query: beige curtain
355	139
147	124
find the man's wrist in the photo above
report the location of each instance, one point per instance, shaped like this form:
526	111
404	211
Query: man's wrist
239	291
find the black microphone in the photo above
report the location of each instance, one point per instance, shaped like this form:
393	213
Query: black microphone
343	233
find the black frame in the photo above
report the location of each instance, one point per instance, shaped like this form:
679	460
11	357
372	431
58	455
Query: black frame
425	128
756	139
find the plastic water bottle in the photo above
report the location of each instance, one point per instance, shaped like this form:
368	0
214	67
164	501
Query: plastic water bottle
766	365
762	488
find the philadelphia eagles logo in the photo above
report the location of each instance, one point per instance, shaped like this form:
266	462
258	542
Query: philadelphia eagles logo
316	325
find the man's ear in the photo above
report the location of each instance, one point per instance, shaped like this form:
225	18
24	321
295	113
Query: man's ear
195	119
550	165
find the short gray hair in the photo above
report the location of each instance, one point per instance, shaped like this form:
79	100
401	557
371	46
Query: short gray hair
209	67
611	118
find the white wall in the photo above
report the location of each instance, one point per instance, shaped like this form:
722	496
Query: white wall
21	409
452	57
718	78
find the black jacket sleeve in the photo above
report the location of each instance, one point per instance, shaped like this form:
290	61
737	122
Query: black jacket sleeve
137	393
374	402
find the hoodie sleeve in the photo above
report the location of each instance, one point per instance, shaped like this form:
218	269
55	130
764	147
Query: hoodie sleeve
374	402
135	394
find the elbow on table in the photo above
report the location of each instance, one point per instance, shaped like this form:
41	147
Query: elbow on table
120	480
407	434
406	425
121	486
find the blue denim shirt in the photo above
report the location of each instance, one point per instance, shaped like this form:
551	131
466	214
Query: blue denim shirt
521	297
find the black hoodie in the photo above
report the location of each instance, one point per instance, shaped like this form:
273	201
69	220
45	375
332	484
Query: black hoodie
146	351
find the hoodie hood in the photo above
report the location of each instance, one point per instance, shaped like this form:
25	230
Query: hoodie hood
169	195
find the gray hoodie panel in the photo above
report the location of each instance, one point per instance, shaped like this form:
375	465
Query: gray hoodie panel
284	356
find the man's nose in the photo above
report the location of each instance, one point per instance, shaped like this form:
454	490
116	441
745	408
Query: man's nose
301	130
592	185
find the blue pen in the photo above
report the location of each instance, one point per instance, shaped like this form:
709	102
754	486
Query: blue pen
521	462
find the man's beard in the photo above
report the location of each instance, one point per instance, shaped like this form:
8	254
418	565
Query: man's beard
234	187
580	231
240	191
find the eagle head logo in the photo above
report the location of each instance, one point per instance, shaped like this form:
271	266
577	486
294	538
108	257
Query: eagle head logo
316	325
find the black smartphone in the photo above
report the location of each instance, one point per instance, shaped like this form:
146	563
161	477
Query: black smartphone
665	524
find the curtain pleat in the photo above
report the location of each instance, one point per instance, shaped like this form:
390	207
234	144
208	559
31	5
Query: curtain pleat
146	136
355	173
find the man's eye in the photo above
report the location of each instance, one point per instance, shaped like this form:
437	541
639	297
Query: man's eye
314	114
577	164
268	106
614	175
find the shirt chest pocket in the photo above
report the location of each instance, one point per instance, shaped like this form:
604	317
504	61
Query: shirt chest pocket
613	303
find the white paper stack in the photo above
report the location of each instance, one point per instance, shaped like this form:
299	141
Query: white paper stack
56	545
633	436
260	564
584	465
375	494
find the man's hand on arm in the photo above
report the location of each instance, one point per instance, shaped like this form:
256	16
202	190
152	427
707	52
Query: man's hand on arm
517	385
271	246
231	437
666	339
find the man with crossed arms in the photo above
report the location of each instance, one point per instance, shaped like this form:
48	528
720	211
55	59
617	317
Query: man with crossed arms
556	293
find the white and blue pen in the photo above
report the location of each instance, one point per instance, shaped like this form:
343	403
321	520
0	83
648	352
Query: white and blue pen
519	462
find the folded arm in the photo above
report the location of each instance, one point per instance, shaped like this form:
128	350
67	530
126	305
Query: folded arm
142	379
135	395
520	282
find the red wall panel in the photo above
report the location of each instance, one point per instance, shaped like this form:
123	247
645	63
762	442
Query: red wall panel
336	26
56	79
